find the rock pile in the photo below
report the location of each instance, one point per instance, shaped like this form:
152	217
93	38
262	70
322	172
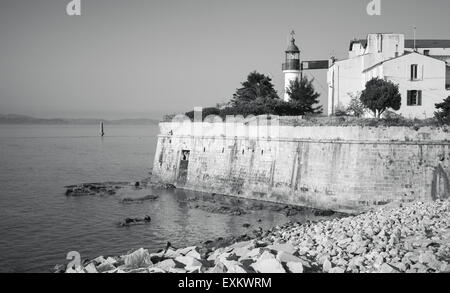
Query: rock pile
135	221
110	188
414	238
93	189
138	199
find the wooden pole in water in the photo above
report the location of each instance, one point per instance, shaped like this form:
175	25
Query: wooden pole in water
101	129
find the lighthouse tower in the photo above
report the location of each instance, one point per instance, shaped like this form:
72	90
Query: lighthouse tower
291	67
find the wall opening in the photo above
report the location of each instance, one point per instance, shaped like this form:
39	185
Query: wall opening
183	170
447	78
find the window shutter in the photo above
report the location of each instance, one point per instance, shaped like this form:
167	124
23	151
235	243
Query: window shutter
408	99
419	102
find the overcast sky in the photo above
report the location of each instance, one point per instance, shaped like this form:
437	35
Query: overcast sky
139	58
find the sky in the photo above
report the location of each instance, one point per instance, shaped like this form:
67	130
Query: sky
142	59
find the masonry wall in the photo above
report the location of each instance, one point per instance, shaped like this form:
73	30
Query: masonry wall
339	168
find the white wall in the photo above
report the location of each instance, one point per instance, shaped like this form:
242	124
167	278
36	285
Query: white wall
289	75
356	50
439	53
277	132
431	75
344	79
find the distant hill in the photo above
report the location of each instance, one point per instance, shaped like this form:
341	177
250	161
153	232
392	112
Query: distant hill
22	119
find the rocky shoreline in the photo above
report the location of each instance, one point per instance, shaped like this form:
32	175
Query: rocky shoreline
399	238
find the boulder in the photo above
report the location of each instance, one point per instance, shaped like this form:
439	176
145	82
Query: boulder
105	267
336	270
188	261
184	251
285	257
75	270
170	253
177	271
326	267
248	244
213	256
59	269
194	253
219	268
154	270
286	247
427	257
295	267
268	266
99	260
387	269
138	271
166	265
111	260
254	253
234	267
266	255
138	259
195	269
227	256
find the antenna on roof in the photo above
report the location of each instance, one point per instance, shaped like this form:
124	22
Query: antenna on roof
415	28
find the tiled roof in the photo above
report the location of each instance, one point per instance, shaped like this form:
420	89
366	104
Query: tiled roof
428	43
410	43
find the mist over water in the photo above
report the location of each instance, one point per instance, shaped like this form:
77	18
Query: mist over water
39	225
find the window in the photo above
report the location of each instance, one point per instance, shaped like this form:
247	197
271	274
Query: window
414	71
447	78
426	52
380	43
414	98
292	56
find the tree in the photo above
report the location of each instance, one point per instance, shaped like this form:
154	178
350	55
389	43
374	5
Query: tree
256	86
380	95
443	113
356	108
303	96
205	113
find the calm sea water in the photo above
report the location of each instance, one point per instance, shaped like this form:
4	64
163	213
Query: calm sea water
39	225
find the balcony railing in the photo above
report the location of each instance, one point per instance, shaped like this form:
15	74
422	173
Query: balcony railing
291	65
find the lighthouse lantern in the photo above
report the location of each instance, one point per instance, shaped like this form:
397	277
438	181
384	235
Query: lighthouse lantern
291	66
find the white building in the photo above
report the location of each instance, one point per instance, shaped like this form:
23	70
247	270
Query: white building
421	69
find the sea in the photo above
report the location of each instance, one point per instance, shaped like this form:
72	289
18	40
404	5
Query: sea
40	225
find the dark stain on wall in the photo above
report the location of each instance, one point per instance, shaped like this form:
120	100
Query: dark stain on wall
161	154
439	184
298	169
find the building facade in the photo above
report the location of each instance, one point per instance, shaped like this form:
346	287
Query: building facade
421	69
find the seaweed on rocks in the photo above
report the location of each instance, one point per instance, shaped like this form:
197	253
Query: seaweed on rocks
94	189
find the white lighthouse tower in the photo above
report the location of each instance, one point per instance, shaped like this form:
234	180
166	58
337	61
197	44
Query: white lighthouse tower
291	67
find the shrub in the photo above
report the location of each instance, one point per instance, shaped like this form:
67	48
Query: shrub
356	107
443	113
205	112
